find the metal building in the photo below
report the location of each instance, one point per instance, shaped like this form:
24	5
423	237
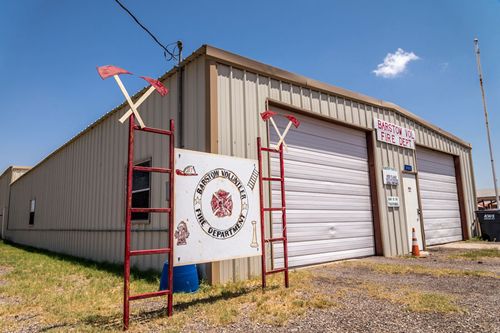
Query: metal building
338	205
6	178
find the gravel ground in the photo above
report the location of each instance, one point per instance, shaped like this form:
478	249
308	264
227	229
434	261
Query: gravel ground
477	297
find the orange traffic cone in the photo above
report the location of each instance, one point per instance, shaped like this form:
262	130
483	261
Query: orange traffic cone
415	251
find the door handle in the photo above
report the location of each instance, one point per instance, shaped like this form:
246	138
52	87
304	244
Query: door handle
418	211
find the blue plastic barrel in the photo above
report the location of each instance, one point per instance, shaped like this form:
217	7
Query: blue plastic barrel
185	278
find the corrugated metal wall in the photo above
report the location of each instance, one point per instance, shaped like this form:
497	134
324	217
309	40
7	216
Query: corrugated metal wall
80	190
242	95
10	175
5	180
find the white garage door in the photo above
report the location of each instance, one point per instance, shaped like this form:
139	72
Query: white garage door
329	214
438	193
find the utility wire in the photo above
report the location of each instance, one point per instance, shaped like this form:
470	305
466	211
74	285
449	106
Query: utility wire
165	48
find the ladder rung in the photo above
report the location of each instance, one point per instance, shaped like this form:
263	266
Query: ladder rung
276	179
150	169
270	240
279	270
148	295
150	210
272	150
149	251
274	209
153	130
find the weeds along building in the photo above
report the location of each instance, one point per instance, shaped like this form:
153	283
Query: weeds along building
360	172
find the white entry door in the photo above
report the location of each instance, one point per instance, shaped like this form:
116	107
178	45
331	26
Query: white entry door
412	208
329	215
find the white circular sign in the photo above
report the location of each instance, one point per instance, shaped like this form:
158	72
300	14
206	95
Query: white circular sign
220	203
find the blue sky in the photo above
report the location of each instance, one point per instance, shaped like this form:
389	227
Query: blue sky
49	49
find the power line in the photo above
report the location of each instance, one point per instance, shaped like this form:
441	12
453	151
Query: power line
166	51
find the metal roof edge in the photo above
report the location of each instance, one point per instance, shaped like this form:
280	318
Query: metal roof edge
19	167
200	51
6	170
278	73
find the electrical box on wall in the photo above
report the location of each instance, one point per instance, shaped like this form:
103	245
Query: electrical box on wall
391	176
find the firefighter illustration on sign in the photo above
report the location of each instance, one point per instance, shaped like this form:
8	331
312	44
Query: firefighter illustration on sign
182	233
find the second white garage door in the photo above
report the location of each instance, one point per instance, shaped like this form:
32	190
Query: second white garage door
328	199
438	193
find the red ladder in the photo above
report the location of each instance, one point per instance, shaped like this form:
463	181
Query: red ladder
128	217
281	209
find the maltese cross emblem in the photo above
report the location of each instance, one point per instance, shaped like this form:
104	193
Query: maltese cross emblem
222	204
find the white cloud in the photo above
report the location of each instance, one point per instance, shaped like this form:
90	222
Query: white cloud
395	63
444	66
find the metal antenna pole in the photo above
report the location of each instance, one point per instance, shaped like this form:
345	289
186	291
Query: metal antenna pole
480	71
180	97
179	46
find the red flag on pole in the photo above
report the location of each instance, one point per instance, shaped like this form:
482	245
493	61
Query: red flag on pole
162	90
110	70
294	120
267	114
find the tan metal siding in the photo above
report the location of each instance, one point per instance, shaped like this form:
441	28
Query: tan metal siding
9	176
242	94
5	180
80	190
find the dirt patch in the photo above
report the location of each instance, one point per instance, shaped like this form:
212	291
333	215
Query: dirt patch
4	271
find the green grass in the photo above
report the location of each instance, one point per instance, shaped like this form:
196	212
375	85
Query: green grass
414	300
476	239
59	288
432	302
478	254
59	293
386	268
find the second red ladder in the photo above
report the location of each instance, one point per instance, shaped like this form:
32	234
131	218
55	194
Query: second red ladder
283	239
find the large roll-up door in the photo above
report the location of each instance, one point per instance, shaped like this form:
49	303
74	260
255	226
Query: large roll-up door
438	194
328	199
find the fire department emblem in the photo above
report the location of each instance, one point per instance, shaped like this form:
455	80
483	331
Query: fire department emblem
220	203
182	233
